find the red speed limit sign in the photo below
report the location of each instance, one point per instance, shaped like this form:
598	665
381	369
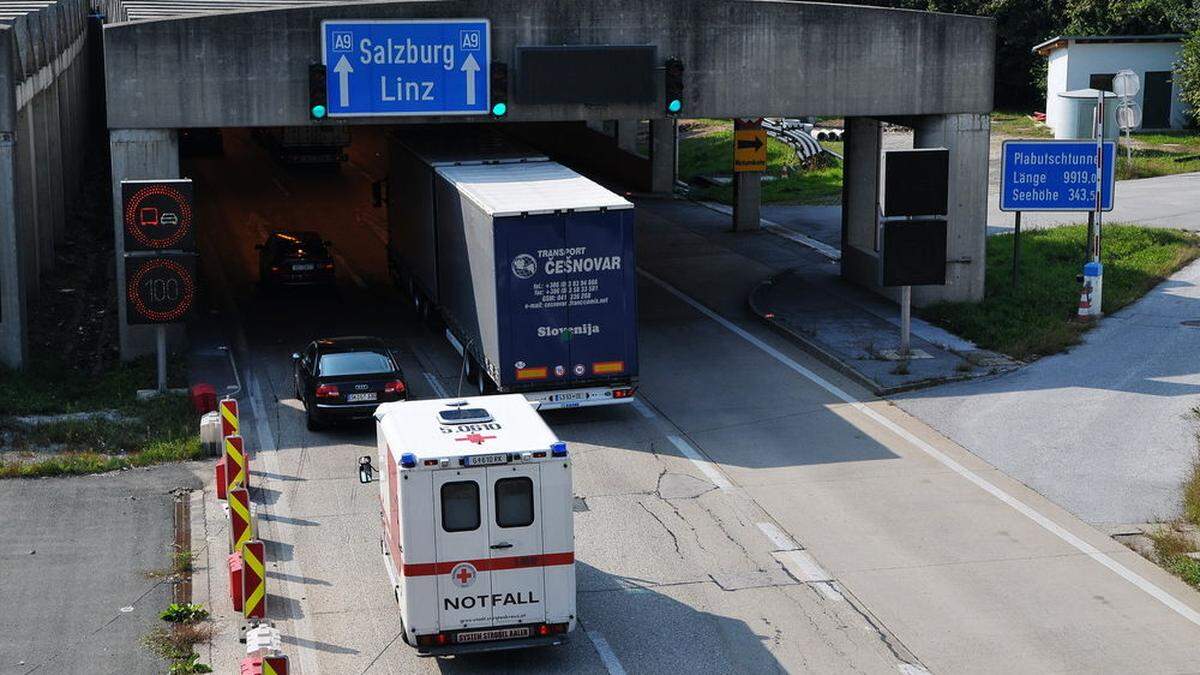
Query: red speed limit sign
159	288
157	214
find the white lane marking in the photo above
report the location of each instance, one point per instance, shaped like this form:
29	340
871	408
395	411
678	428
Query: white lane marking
1029	512
787	233
358	281
270	458
703	464
782	541
911	669
611	662
437	386
643	409
802	566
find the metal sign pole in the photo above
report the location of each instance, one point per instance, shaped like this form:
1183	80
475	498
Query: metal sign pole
162	358
905	319
1099	174
1016	267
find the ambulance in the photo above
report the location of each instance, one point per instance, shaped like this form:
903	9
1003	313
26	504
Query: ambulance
478	537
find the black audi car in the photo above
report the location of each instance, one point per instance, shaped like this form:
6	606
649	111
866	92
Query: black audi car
346	378
295	258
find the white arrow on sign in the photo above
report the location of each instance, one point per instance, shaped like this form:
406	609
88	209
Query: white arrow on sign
470	66
343	69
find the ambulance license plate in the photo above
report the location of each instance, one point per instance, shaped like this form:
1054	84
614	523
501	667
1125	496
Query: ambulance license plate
371	396
489	635
484	460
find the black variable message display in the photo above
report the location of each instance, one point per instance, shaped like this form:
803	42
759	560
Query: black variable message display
914	252
158	215
159	288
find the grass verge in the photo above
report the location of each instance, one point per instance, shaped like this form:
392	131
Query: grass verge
1037	318
1171	541
1018	124
706	148
1161	154
134	434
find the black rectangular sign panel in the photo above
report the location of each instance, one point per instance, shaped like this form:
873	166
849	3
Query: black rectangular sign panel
158	215
916	182
587	74
159	288
913	253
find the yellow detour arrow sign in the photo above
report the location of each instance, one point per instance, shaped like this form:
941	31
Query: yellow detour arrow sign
254	580
229	417
749	145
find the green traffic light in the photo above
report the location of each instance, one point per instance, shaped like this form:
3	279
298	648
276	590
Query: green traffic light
500	109
318	111
675	106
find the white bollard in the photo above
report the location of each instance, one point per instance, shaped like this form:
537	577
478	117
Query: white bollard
210	433
264	637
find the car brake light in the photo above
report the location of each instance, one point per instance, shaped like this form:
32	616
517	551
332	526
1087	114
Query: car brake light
552	628
327	266
394	387
274	268
327	391
430	640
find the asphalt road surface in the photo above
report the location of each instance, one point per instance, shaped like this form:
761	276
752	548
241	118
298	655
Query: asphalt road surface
753	512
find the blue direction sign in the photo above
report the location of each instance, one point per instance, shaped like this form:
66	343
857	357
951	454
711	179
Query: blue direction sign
1050	175
406	67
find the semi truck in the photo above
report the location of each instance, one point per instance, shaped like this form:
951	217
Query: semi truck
528	265
478	540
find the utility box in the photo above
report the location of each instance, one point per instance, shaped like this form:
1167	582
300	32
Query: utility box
1080	112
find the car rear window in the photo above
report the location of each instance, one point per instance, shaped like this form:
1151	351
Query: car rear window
460	506
354	363
309	247
514	502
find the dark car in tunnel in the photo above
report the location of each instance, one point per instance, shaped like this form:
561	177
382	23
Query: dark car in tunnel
345	379
295	258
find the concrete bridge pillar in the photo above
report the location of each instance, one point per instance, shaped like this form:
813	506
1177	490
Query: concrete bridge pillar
662	155
138	154
967	137
627	131
860	201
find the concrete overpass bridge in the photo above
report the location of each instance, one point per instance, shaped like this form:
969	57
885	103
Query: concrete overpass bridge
175	64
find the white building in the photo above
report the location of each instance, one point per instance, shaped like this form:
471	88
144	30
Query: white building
1090	61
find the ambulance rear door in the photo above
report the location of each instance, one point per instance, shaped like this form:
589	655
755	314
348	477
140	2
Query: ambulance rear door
515	534
461	516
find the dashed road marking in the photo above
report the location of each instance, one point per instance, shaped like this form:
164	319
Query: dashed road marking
911	669
358	281
1050	526
802	566
643	409
782	541
611	662
701	463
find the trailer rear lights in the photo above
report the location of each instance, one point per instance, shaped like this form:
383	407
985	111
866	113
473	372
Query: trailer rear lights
394	387
327	391
608	367
538	373
623	393
558	449
408	460
552	629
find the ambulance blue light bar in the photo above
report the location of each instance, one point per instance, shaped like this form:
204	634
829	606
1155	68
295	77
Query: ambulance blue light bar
408	460
558	449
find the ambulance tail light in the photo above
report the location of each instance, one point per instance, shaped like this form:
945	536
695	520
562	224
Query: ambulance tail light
327	391
431	462
558	449
408	460
434	640
552	629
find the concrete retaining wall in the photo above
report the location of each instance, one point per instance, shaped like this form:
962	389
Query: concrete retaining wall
44	109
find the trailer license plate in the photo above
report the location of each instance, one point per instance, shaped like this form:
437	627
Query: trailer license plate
483	460
371	396
570	396
498	634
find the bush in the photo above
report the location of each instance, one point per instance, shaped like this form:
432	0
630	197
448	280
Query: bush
1187	75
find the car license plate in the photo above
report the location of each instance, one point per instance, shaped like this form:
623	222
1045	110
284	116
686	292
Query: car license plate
351	398
484	460
570	396
497	634
308	267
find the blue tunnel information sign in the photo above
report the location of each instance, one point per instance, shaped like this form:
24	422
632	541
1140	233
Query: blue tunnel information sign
406	67
1047	175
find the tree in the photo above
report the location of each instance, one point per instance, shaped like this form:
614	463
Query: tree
1187	74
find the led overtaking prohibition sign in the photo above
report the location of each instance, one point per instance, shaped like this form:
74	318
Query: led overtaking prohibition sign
157	215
